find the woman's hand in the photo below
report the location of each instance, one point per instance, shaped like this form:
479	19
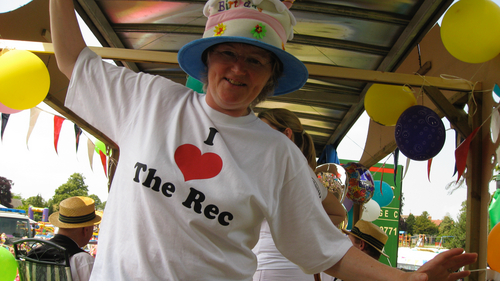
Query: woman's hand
443	266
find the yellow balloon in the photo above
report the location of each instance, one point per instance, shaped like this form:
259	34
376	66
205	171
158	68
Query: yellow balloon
470	30
24	79
385	103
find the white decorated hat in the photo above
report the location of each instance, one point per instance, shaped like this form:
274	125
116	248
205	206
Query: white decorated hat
267	24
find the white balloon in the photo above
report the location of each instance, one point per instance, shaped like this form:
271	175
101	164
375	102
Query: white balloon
371	211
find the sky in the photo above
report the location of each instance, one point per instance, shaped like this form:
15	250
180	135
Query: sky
35	167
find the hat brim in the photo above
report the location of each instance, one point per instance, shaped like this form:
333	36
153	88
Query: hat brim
294	76
350	233
54	220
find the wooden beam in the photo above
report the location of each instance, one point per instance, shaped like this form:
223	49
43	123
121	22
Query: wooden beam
457	117
370	76
382	77
104	52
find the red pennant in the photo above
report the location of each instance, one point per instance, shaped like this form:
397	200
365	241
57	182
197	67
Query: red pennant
57	129
103	161
462	151
429	162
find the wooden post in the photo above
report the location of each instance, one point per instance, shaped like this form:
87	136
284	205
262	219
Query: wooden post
477	195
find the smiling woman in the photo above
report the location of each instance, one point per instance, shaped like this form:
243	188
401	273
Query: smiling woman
11	5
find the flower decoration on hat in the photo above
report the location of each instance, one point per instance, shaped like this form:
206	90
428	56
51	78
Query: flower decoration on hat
259	31
219	29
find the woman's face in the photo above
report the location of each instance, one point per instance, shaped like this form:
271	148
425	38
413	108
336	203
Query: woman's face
236	75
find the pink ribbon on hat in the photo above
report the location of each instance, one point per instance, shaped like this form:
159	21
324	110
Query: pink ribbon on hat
241	13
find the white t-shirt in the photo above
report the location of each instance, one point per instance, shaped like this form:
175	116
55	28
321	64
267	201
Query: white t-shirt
81	266
268	256
193	185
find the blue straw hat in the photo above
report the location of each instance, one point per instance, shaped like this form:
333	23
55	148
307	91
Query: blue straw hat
267	24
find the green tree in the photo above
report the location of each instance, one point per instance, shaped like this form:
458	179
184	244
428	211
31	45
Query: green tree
5	195
423	225
458	231
75	186
99	205
410	224
446	225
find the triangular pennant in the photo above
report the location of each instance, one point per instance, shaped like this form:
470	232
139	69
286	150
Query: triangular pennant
5	119
34	112
457	137
103	161
462	151
407	167
90	150
396	159
429	163
78	133
58	120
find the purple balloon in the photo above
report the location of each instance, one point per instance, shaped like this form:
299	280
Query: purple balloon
347	204
419	133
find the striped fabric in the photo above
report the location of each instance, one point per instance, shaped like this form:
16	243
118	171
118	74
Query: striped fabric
30	271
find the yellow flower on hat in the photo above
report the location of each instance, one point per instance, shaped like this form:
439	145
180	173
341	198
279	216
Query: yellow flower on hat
259	31
219	29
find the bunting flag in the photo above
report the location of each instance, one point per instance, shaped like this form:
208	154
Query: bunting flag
407	166
462	151
457	137
34	112
429	163
90	150
396	159
5	119
78	133
103	161
328	155
58	120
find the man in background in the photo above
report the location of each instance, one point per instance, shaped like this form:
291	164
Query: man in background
367	237
76	219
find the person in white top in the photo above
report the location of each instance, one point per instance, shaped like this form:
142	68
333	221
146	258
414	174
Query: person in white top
198	173
75	222
272	265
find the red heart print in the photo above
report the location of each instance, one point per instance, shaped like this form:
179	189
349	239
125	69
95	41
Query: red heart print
194	165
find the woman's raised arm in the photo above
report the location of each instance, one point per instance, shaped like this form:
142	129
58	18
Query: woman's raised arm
66	35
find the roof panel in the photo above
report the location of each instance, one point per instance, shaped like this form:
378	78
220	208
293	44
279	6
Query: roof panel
355	34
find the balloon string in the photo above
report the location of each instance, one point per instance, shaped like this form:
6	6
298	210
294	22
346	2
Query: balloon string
482	269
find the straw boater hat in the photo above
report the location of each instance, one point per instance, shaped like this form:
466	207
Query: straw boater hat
267	24
75	212
370	233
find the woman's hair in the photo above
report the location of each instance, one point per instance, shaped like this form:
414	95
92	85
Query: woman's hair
283	118
268	90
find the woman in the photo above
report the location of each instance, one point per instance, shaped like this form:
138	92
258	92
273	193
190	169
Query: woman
272	265
198	174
